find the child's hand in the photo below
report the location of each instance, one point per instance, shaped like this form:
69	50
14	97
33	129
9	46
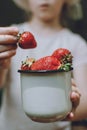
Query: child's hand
75	98
8	40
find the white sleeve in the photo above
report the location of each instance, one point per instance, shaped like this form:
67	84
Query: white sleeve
80	52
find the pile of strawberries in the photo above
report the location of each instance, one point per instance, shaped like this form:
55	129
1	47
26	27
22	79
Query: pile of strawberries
60	59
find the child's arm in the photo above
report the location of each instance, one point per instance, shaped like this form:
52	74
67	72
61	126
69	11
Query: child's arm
7	50
3	74
80	76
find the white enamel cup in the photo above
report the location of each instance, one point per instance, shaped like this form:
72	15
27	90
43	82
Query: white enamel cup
46	94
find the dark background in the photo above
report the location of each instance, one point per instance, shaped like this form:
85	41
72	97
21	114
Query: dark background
10	13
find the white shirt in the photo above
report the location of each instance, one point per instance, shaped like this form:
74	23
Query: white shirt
12	116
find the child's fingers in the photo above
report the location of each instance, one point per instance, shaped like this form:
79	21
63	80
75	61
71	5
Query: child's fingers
73	82
7	39
4	48
7	54
75	92
75	98
9	31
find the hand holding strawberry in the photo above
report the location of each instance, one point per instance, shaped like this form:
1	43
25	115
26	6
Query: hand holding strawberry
26	40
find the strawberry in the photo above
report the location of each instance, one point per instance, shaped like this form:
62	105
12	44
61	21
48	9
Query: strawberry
46	63
26	40
26	65
64	55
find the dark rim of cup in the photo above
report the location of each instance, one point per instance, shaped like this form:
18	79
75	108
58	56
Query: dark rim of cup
43	71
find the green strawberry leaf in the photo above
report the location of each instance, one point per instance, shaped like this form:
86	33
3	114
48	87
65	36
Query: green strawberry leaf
66	67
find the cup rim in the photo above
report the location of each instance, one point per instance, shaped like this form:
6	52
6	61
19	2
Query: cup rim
42	71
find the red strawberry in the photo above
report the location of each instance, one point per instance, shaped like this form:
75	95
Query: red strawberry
46	63
26	40
26	65
64	55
